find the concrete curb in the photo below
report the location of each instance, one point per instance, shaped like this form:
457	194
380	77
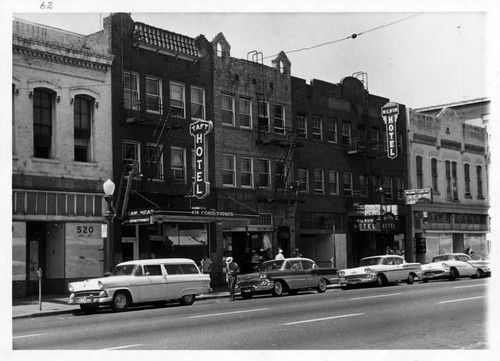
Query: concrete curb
76	309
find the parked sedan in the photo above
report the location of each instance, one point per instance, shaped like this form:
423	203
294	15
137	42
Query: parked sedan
454	265
381	270
288	275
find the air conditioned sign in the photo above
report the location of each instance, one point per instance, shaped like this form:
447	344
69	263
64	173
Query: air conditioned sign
390	113
199	131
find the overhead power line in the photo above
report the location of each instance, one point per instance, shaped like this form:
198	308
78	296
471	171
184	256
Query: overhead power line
353	36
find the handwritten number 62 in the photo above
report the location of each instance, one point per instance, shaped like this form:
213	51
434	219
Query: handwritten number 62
48	5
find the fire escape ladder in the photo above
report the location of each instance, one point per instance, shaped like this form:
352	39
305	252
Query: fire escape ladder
160	136
284	187
262	114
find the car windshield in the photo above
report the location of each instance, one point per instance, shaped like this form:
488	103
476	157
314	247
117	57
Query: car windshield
370	261
270	265
127	270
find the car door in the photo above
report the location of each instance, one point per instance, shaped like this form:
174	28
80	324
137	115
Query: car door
297	278
464	267
402	271
311	280
174	281
154	289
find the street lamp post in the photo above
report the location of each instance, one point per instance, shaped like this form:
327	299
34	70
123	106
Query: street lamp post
109	189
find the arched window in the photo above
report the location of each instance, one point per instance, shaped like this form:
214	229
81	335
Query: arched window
219	50
43	100
82	127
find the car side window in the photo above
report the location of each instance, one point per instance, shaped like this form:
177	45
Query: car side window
296	265
384	261
138	271
398	260
306	264
152	270
189	269
288	265
463	258
173	269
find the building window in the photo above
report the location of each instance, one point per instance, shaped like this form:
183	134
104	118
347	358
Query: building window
363	183
227	109
374	139
131	156
228	171
197	103
317	128
434	173
264	116
245	113
303	174
82	115
219	50
454	180
177	99
420	172
42	123
319	185
348	184
388	188
154	159
280	179
279	119
479	181
264	173
178	164
467	179
400	188
246	172
333	180
131	90
451	180
332	130
346	133
153	95
301	120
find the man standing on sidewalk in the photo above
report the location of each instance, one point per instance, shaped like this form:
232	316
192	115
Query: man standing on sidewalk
232	274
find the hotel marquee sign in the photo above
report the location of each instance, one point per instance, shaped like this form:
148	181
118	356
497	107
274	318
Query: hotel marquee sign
199	131
390	113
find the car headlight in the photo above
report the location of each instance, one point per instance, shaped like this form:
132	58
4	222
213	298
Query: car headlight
263	276
341	274
70	288
445	265
368	270
101	286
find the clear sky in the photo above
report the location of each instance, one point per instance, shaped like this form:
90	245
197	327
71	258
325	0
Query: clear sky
414	55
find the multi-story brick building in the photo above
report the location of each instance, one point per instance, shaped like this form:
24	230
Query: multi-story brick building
161	86
61	155
450	158
255	145
351	176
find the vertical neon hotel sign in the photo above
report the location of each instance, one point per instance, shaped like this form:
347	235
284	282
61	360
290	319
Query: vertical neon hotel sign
390	113
199	130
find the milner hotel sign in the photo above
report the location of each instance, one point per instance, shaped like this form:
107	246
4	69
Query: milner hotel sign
390	113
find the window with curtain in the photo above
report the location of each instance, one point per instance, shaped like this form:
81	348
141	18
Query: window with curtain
82	116
229	170
42	122
197	103
178	164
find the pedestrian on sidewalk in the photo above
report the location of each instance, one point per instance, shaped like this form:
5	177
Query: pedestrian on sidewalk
280	254
232	275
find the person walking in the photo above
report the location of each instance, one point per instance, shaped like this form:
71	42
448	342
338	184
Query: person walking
280	254
206	265
232	275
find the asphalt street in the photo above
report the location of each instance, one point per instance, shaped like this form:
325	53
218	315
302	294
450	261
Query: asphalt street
436	315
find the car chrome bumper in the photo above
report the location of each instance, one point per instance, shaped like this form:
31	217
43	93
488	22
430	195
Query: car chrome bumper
86	300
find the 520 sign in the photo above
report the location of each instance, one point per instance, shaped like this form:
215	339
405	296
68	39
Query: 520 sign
84	231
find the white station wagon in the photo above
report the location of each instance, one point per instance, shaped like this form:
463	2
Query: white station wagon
142	281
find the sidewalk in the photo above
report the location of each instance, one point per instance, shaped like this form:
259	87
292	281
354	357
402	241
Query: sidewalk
58	304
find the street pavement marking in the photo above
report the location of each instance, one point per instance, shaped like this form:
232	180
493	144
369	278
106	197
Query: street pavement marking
34	335
322	319
387	295
481	284
229	313
462	299
120	347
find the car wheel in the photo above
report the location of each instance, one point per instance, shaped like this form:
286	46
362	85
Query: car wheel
187	300
277	288
381	280
453	274
321	286
478	274
120	302
89	309
411	279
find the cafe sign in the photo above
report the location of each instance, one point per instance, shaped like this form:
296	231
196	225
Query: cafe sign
199	131
390	113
